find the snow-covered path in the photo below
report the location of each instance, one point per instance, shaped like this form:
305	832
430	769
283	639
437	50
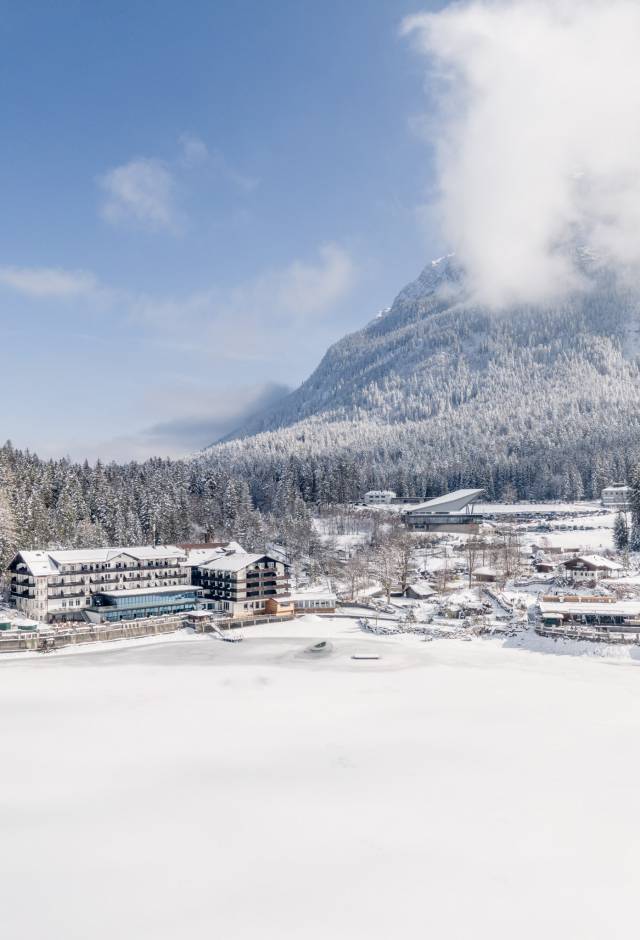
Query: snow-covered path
194	789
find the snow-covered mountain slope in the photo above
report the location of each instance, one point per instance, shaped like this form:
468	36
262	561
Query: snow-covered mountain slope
438	390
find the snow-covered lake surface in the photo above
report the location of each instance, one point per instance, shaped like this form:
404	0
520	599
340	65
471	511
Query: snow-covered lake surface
196	789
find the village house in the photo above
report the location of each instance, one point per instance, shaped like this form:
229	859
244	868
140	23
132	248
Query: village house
589	568
617	497
378	497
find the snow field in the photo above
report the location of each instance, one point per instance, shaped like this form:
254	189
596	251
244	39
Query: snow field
197	788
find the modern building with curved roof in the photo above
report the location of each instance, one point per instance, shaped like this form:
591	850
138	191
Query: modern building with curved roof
446	513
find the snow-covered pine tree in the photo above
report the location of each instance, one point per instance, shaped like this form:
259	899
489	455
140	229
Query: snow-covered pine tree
634	532
621	532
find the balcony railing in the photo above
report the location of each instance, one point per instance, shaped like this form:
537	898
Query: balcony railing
142	574
85	570
54	597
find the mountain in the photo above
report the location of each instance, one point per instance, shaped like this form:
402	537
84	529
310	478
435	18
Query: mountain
439	391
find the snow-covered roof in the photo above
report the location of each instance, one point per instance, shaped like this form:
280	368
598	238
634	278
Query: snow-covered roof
312	596
486	572
595	561
617	608
422	590
233	562
42	563
196	557
199	556
450	502
38	563
233	547
102	555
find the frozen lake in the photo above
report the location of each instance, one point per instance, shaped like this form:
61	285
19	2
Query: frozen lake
193	789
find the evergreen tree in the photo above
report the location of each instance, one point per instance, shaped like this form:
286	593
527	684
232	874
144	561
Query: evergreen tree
634	533
621	532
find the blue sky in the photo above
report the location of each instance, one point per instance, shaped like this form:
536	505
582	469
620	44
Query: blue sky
197	199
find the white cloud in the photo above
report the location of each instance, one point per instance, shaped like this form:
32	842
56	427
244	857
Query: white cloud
254	320
304	288
196	415
194	150
141	192
538	137
232	174
48	282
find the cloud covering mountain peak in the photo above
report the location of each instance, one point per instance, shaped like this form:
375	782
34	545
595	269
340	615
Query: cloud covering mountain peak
537	133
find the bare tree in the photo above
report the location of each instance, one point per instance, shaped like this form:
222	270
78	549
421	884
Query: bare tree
356	570
385	569
472	551
402	550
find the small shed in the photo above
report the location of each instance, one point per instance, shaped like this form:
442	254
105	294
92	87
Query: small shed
487	575
420	592
278	606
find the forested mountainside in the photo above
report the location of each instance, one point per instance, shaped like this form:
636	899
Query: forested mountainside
434	394
438	392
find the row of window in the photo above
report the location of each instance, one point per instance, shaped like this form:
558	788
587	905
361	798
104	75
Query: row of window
121	566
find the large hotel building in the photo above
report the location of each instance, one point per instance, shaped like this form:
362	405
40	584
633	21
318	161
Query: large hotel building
101	583
128	583
241	584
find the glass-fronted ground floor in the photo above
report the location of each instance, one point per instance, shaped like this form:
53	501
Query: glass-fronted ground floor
135	605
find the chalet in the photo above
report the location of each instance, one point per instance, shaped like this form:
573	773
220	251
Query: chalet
589	568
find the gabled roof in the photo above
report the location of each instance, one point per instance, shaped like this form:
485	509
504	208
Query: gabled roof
102	555
38	563
197	557
594	561
450	502
422	590
42	563
236	561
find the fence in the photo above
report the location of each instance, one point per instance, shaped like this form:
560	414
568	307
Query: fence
603	635
123	630
212	626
